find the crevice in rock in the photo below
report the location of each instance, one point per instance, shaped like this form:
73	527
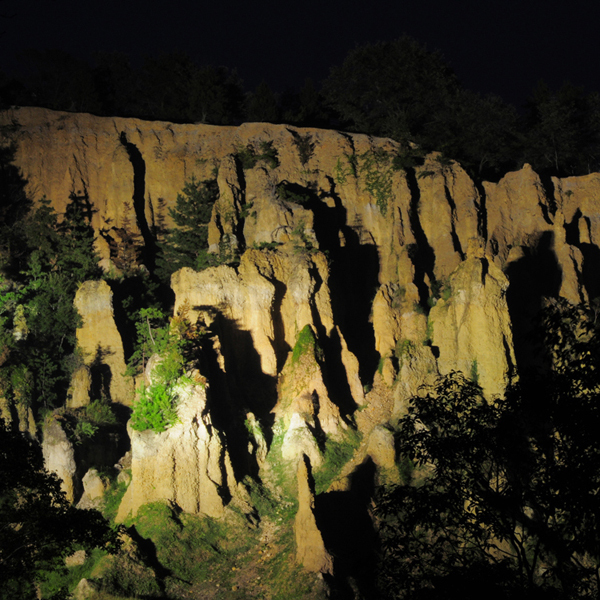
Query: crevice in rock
455	239
139	201
481	207
243	387
335	376
354	275
572	229
421	253
353	281
280	346
549	209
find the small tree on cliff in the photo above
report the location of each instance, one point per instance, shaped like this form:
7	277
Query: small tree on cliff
187	244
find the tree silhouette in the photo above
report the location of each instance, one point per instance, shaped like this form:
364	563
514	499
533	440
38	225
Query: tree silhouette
503	498
38	525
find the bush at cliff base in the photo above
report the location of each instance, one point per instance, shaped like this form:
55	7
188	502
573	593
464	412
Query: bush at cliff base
502	497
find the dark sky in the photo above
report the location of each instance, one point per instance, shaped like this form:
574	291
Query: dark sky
503	47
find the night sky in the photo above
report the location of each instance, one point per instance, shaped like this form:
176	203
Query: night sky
503	47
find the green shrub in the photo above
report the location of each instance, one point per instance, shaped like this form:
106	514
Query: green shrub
99	412
176	345
155	408
248	157
343	171
266	245
83	430
304	145
474	374
302	243
377	169
440	288
292	192
404	349
268	154
407	158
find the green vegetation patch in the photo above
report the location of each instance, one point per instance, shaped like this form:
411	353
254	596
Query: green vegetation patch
192	548
227	558
337	454
175	344
248	157
56	581
305	146
305	343
376	167
112	499
293	192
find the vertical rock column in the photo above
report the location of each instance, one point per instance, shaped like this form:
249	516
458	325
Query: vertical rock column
100	340
310	548
472	329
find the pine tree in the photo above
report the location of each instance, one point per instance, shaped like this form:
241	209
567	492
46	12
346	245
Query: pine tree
187	244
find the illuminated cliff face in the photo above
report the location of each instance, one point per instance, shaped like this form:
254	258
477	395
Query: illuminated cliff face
358	281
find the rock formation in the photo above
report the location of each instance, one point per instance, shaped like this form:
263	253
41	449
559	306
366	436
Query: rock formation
357	283
187	464
59	457
472	327
311	551
102	347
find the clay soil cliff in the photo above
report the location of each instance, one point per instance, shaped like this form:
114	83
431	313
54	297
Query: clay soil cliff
360	278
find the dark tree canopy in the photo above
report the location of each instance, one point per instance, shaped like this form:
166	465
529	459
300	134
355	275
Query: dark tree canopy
38	525
501	494
391	88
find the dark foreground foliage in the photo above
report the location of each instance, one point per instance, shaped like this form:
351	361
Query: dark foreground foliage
502	500
38	525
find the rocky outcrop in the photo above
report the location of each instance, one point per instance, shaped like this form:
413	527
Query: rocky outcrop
357	283
270	296
94	487
102	348
472	328
188	464
59	457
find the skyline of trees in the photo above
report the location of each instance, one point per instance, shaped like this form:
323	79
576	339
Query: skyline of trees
394	89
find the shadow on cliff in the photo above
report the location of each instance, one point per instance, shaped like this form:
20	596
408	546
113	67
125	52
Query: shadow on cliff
348	533
353	282
590	252
420	253
531	278
239	387
139	200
